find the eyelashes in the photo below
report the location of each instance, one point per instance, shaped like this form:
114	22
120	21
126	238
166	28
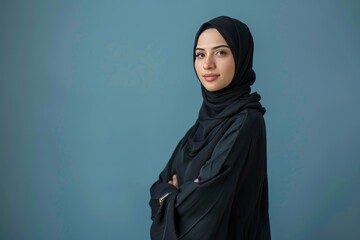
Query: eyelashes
219	53
199	55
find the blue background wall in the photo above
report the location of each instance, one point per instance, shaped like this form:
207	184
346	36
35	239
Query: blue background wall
94	96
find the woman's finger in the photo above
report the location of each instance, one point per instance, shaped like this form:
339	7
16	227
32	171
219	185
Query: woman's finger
175	181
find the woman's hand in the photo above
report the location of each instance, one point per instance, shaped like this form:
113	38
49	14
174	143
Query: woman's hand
174	181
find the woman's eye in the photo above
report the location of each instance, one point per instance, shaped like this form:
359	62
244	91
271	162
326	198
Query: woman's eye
199	55
221	53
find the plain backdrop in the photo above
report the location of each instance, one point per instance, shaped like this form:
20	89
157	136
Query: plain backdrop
94	96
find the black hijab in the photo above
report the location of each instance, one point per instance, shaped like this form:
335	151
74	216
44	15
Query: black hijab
222	104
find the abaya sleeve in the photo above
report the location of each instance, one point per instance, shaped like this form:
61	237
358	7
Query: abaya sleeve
232	183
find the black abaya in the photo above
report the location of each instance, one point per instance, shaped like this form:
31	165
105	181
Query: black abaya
226	150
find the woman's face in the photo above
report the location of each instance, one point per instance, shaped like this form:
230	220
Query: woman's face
214	62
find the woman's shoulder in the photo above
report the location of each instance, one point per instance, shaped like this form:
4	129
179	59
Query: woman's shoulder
249	119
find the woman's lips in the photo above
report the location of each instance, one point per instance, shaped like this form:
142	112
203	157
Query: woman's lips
210	77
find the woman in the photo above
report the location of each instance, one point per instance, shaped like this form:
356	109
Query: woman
215	183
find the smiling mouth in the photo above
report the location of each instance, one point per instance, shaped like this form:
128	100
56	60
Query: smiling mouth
210	77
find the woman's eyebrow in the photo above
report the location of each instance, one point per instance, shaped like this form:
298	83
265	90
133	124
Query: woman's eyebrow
216	47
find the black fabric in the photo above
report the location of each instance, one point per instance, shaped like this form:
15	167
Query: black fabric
226	150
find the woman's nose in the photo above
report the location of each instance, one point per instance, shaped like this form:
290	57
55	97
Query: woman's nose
209	63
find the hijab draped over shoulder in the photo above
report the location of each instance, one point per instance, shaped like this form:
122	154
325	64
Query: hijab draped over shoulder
226	150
